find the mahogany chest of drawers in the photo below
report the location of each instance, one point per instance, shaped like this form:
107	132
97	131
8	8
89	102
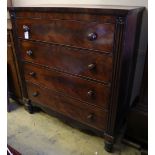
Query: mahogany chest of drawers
78	62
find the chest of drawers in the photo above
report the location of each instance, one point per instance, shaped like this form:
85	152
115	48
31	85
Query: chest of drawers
78	62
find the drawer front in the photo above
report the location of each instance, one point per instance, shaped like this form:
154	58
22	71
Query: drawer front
89	115
87	17
74	61
91	35
73	86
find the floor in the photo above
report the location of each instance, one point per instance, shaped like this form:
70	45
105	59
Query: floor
41	134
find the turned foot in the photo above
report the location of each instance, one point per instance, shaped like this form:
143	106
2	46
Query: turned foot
29	108
108	146
109	141
28	105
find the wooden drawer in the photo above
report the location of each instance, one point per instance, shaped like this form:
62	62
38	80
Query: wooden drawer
80	62
90	35
73	86
89	115
87	17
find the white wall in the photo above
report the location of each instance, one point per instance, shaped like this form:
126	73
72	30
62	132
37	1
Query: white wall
103	2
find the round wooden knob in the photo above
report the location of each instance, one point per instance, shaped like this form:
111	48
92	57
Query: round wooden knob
32	74
26	28
90	117
29	53
90	93
92	36
35	94
91	66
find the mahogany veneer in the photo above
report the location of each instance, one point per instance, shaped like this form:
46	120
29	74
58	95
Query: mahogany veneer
78	62
74	61
87	114
89	91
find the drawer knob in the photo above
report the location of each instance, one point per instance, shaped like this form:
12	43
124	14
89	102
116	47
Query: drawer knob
29	53
35	94
92	36
90	93
91	66
90	117
32	74
25	28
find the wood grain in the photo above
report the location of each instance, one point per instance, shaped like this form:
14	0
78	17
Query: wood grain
68	106
70	85
69	60
69	32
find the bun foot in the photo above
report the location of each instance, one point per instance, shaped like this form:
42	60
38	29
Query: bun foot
29	108
108	146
